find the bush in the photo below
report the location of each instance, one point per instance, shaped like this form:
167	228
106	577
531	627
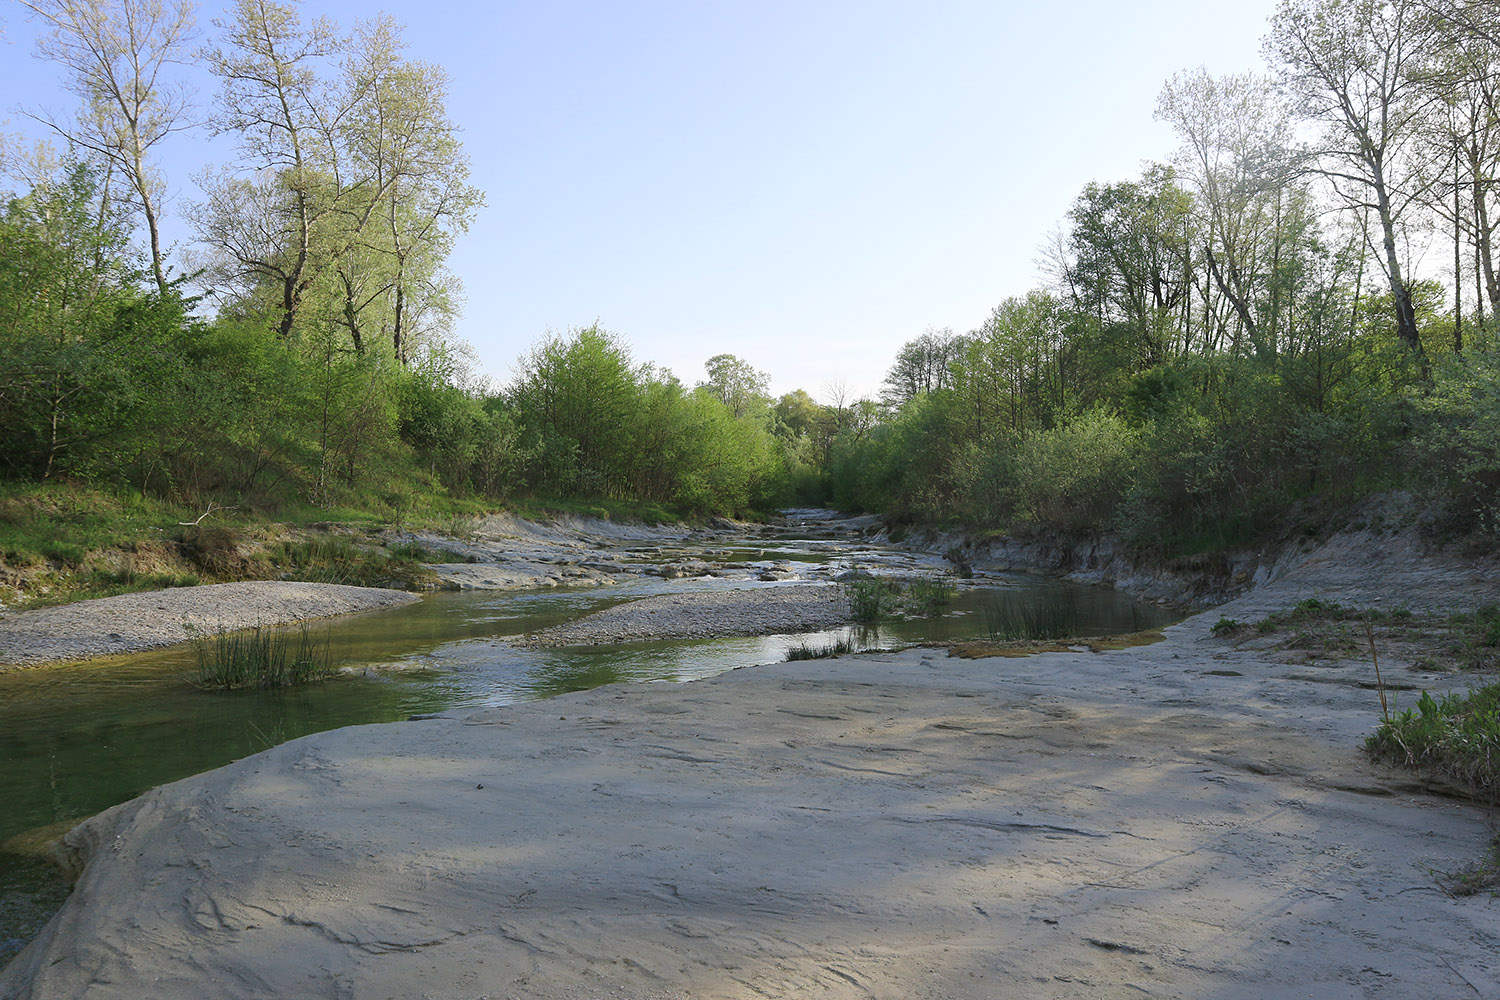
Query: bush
1456	737
1072	477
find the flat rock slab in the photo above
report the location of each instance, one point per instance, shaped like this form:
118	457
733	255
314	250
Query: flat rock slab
756	611
1069	825
130	623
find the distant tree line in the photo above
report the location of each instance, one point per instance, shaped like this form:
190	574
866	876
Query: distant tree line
1258	322
1249	325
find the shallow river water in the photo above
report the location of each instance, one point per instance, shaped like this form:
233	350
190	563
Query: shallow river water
78	738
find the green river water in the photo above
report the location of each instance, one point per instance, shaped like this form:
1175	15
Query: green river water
78	738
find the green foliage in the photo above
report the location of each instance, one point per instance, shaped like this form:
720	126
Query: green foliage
807	651
594	424
1030	617
1455	736
261	658
1458	446
871	599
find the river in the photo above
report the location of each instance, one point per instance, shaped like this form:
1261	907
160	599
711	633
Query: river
78	738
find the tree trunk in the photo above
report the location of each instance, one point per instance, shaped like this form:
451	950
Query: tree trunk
1406	316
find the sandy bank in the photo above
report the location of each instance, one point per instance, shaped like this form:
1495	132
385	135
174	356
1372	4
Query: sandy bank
130	623
759	611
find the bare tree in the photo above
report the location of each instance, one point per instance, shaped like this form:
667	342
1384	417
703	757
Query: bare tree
116	53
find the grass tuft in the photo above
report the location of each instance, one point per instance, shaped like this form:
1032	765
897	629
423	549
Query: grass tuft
1456	737
1030	617
261	658
806	651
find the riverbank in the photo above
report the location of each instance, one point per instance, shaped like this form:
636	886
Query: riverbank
1384	532
1190	818
498	552
130	623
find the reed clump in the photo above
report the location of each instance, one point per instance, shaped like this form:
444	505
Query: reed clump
262	658
1031	617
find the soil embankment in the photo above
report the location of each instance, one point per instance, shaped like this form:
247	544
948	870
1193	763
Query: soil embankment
1189	818
1384	534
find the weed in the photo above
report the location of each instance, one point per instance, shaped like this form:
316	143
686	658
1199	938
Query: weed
871	599
1031	617
1456	737
262	658
806	651
1225	626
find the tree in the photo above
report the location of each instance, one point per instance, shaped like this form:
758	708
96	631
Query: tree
736	383
1131	263
353	184
922	365
1354	67
403	143
116	52
266	223
1235	137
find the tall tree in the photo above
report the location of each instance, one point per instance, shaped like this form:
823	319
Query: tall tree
415	197
736	383
1234	140
116	53
922	365
1355	66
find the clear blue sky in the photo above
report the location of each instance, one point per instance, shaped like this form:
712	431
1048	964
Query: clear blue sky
807	185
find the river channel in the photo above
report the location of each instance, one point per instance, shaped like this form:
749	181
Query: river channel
78	738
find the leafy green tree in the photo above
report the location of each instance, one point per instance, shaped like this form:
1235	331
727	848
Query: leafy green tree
737	384
922	365
1130	269
576	397
66	279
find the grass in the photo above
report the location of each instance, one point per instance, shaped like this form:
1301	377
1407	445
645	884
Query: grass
416	552
1035	617
929	596
337	559
1481	875
807	651
874	599
1455	737
261	658
871	599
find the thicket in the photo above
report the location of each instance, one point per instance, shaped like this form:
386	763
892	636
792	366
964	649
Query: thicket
1221	338
305	362
1239	330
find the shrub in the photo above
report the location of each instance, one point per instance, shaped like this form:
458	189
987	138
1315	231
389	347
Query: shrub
1456	737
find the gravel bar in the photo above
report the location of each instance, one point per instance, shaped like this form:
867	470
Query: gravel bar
705	614
130	623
